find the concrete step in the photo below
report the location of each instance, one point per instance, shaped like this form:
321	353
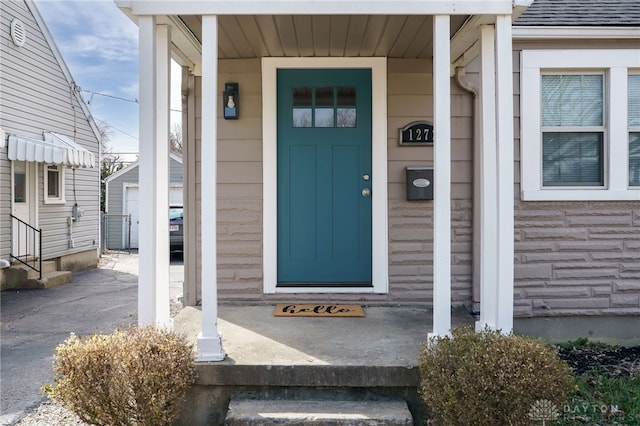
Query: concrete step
246	412
47	267
51	279
20	277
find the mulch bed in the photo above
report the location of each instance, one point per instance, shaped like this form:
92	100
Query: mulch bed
617	361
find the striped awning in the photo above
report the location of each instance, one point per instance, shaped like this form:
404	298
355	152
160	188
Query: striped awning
54	149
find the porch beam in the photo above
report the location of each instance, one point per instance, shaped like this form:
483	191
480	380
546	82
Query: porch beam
153	276
442	177
505	173
311	7
209	344
488	201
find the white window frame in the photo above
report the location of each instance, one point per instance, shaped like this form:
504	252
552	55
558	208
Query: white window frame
616	65
632	129
60	199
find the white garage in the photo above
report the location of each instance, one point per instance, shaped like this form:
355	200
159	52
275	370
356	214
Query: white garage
122	195
131	208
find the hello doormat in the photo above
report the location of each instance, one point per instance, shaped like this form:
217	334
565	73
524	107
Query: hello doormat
319	310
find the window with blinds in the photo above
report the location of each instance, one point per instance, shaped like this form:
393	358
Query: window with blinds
572	114
633	120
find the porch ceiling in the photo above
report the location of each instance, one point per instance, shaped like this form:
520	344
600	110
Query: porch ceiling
251	36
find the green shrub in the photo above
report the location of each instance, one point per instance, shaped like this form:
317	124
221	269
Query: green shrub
489	378
134	377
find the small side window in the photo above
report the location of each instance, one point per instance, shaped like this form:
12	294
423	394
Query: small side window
54	184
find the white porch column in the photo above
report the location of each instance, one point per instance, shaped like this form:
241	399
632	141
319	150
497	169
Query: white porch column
209	345
488	200
442	177
153	277
505	166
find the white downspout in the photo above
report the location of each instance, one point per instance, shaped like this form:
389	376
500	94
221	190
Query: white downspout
474	88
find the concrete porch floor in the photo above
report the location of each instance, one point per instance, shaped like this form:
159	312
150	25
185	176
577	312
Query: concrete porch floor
374	358
386	336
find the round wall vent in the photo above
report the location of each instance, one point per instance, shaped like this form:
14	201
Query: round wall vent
18	33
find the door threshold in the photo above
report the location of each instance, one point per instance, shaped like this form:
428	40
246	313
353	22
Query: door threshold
321	284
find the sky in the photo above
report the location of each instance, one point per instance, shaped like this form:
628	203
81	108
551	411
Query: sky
99	44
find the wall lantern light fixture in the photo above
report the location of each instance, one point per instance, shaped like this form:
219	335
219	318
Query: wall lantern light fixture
231	101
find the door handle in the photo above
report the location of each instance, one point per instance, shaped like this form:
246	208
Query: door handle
366	192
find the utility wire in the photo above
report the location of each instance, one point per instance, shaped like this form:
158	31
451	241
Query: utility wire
135	101
115	128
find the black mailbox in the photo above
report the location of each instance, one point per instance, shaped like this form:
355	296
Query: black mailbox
419	183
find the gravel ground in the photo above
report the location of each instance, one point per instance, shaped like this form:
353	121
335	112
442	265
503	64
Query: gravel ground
51	414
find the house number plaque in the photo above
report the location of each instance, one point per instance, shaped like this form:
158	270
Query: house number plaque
417	133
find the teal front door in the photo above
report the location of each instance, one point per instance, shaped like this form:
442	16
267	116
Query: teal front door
324	177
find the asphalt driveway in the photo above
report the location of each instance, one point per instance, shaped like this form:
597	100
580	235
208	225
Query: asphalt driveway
34	322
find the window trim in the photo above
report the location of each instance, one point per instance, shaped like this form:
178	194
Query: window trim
61	199
616	65
632	129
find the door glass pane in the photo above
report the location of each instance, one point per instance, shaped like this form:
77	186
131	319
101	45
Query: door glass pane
324	96
634	158
346	117
19	182
302	96
302	117
572	159
572	100
324	117
346	96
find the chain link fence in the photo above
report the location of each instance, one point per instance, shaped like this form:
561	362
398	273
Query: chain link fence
116	232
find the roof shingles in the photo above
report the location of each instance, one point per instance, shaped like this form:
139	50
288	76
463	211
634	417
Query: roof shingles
618	13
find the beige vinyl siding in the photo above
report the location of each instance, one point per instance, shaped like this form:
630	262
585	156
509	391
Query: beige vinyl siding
575	258
239	186
410	223
410	98
35	97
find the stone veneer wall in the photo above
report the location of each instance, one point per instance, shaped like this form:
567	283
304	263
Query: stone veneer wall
577	258
411	252
574	258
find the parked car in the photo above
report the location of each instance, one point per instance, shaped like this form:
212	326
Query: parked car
176	221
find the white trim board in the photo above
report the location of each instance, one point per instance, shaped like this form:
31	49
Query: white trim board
380	241
554	33
310	7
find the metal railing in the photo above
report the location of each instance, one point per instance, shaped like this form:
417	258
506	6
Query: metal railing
26	244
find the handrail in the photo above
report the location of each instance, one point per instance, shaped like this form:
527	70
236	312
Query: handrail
32	239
